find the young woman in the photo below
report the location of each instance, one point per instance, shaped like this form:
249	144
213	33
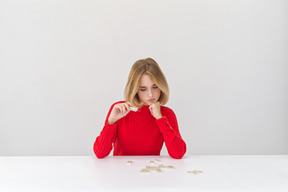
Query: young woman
141	132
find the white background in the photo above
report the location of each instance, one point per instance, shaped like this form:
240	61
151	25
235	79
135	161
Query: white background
64	63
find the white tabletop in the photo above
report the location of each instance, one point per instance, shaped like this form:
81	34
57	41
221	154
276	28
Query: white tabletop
87	173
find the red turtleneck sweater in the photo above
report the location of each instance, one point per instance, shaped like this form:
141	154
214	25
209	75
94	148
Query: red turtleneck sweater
139	133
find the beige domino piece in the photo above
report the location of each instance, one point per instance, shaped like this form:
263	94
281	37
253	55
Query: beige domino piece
145	170
195	172
133	109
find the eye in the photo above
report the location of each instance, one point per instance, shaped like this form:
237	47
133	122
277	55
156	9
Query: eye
155	87
142	89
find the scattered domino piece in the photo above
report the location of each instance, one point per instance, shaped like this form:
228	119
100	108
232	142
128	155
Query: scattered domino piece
164	166
145	170
157	167
154	168
195	172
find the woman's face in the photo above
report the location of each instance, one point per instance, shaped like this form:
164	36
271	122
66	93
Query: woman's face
148	92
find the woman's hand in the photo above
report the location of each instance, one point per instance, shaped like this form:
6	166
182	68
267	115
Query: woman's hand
119	110
155	110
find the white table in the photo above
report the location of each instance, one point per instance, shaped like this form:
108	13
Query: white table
87	173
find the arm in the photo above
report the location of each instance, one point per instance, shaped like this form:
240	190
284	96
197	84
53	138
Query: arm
168	126
103	144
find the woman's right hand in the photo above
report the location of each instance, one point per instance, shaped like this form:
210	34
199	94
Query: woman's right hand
119	110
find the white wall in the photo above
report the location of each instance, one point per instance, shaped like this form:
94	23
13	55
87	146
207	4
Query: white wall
63	63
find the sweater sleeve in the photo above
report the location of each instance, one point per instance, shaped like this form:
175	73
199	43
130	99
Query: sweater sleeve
103	143
168	126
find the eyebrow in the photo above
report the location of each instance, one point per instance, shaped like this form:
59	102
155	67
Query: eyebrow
146	86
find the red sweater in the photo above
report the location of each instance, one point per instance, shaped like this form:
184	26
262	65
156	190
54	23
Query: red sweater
139	133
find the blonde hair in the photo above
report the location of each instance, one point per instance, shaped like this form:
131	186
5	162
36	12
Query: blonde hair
150	67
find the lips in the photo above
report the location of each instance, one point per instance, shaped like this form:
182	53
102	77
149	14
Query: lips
151	100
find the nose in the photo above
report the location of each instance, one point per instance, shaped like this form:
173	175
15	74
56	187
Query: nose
150	93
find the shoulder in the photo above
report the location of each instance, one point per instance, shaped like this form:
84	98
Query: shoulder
167	111
116	103
165	108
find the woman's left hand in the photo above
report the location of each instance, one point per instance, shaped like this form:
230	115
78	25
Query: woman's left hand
155	110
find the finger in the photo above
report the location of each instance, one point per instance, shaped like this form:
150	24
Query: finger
123	109
130	105
120	108
151	110
126	112
127	106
